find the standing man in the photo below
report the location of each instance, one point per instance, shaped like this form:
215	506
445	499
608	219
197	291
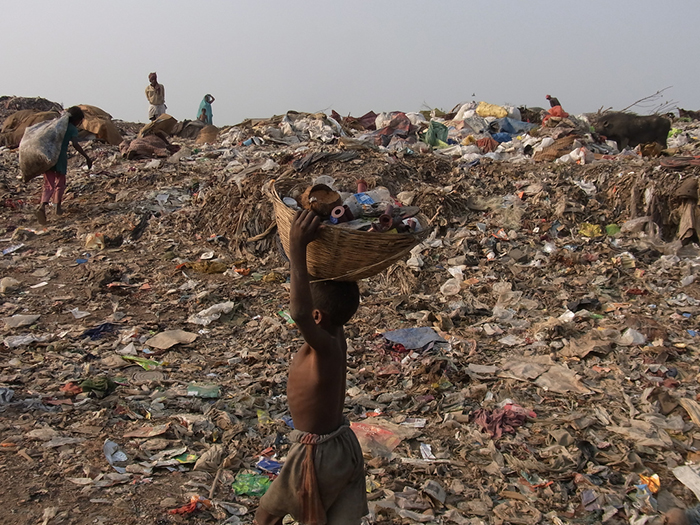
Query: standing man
155	93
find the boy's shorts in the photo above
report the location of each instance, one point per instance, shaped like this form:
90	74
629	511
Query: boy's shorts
340	479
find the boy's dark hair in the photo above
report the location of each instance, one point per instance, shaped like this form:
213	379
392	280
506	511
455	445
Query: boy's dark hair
76	115
337	299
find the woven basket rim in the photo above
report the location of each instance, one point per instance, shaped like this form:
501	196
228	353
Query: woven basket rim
340	253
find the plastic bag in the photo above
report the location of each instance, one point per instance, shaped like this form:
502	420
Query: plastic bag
435	133
250	484
485	109
41	146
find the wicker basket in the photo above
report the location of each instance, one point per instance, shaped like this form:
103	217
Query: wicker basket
340	253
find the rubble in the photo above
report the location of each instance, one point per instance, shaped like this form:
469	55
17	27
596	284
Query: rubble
533	359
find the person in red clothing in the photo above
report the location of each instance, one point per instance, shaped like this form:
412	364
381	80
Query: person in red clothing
55	178
553	101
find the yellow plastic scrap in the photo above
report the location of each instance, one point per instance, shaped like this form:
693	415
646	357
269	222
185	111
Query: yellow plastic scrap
94	241
652	482
627	260
264	418
371	485
590	230
273	277
484	109
469	141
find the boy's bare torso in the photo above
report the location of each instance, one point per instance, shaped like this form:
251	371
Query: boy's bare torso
316	387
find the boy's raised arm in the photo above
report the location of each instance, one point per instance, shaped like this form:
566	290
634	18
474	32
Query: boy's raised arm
303	231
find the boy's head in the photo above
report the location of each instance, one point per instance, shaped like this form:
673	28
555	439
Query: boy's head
153	78
337	301
76	115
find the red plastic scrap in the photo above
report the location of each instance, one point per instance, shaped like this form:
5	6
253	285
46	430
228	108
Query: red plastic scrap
398	352
501	234
502	420
71	389
15	204
517	409
669	382
196	503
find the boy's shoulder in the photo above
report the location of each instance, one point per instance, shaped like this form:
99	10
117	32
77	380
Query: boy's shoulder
334	343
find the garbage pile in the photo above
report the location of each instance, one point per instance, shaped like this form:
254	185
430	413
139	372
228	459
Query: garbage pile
532	359
10	105
19	113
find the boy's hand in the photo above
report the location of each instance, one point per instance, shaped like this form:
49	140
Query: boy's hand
304	228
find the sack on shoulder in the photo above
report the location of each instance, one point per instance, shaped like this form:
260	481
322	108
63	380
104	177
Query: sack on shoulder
41	146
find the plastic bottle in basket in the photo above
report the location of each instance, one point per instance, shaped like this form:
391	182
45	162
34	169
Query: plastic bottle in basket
354	207
378	195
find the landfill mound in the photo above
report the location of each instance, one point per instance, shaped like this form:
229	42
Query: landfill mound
9	105
534	359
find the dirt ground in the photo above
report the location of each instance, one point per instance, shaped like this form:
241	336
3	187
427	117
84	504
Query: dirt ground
589	336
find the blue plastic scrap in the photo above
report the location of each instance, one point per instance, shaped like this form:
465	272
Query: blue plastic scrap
511	126
98	331
414	338
269	465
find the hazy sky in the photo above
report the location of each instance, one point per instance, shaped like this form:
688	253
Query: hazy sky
260	58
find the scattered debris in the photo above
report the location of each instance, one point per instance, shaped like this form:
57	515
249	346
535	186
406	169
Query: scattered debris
532	359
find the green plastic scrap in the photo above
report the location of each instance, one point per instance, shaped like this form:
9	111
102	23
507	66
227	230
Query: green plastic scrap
250	484
99	386
435	134
146	364
284	314
187	457
208	391
612	229
428	113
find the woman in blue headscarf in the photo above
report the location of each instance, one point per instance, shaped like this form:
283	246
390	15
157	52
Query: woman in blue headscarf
204	114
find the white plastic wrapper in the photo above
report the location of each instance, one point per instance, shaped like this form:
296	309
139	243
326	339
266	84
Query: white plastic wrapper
41	146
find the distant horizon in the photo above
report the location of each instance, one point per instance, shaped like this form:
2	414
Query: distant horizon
328	111
260	59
